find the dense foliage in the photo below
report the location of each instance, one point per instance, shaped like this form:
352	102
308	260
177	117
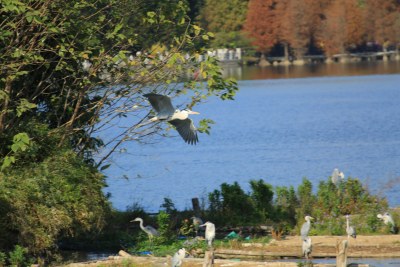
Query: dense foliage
286	208
69	70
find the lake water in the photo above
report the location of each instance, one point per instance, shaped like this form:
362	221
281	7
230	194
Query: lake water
278	130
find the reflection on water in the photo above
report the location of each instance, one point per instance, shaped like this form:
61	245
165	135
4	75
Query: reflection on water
312	70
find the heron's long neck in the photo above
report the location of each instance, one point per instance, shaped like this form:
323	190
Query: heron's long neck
180	114
141	224
347	222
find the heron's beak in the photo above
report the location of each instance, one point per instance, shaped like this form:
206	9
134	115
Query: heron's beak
194	112
311	218
202	225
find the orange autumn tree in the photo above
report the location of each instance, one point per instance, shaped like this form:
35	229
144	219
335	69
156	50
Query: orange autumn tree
356	31
384	21
263	24
333	28
298	26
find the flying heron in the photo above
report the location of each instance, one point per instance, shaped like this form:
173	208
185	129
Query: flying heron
305	228
178	257
350	230
178	118
149	230
196	223
210	232
307	247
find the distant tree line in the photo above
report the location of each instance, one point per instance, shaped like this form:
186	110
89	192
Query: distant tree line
301	27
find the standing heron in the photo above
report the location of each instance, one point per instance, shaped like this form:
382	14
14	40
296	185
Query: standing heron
210	232
178	118
350	230
337	176
149	230
196	223
178	257
307	247
305	228
388	220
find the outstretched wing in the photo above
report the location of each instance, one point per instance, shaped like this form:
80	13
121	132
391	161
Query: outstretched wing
161	103
186	129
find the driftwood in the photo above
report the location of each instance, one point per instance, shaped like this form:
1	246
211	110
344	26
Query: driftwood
341	253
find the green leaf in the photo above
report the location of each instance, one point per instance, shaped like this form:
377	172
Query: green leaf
105	167
8	160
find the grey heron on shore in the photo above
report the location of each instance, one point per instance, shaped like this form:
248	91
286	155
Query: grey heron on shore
178	118
350	230
307	247
149	230
176	260
305	228
210	232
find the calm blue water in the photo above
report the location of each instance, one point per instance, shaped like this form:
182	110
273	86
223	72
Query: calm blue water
278	130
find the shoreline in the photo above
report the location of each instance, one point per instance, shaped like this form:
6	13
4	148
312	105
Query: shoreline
271	254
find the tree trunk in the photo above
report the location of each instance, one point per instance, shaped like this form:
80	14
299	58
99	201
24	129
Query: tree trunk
286	51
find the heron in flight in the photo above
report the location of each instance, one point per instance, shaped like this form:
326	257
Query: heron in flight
210	232
196	223
149	230
307	247
178	118
350	230
178	257
305	228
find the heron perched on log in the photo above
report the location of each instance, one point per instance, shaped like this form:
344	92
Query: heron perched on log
149	230
210	232
305	228
178	257
178	118
307	247
350	230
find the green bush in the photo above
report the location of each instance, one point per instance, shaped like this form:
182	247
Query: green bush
42	201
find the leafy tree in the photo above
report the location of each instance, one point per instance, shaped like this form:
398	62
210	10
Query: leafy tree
44	201
231	205
262	195
306	198
285	204
70	69
225	19
262	24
